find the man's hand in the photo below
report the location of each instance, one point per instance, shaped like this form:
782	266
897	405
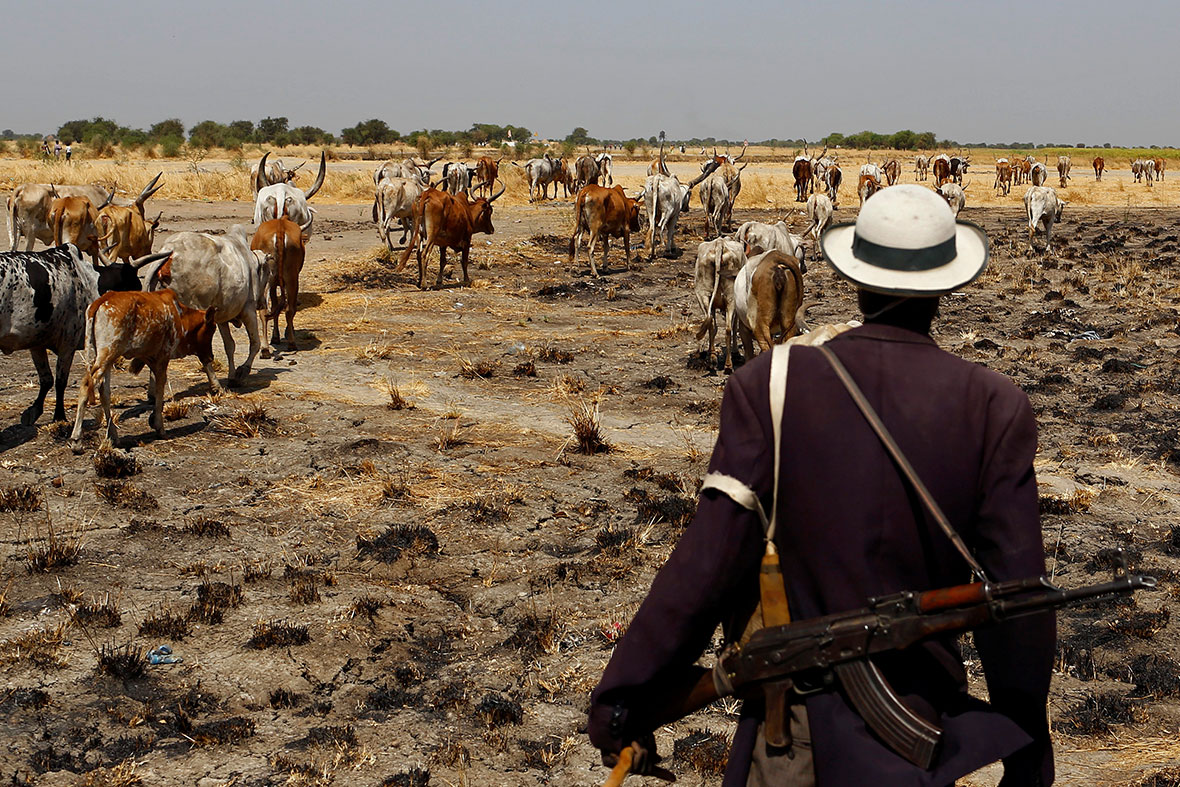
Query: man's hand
639	758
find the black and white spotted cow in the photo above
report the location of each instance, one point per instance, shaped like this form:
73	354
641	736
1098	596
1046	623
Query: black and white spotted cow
43	301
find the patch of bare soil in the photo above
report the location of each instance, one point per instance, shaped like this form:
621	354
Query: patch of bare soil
384	560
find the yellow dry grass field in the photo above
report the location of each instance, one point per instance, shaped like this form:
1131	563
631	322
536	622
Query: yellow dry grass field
767	182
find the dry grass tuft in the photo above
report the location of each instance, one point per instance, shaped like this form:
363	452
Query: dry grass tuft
5	607
366	607
102	614
584	418
525	369
40	647
124	494
110	462
207	527
553	355
167	624
231	730
257	571
705	752
21	497
52	552
277	634
396	541
213	599
397	399
414	777
496	710
304	590
124	662
125	774
177	410
253	420
449	436
481	369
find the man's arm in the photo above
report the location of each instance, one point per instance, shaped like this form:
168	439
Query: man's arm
1017	656
714	565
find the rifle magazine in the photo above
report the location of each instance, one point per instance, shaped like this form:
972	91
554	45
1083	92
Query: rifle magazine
900	728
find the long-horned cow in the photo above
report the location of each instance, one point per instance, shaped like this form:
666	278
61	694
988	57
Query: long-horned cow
43	300
283	198
447	221
954	196
892	170
220	272
1003	176
540	173
802	171
1063	167
395	202
603	213
606	166
867	187
768	296
28	209
75	221
284	242
833	176
921	167
406	168
487	170
585	172
1042	207
819	214
125	232
274	172
665	198
718	262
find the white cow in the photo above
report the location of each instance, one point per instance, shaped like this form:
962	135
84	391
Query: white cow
757	238
718	262
819	214
954	196
605	165
921	166
282	198
395	202
1038	174
406	168
219	271
1042	206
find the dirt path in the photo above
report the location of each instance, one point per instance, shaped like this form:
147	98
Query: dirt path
461	572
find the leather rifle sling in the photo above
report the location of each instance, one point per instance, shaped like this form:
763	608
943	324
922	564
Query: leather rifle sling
903	464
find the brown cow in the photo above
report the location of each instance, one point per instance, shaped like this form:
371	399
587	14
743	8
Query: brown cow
868	186
74	220
892	171
802	172
942	171
486	172
126	235
605	213
285	241
1099	166
774	300
150	328
1159	168
1003	176
449	221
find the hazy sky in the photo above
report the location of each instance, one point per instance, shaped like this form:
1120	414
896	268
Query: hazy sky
1080	71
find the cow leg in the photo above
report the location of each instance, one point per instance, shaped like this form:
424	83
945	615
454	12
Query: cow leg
626	248
593	246
64	361
250	321
442	265
227	340
160	372
291	296
747	341
45	379
464	256
605	251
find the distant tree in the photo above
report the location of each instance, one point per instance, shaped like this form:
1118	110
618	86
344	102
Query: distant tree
269	128
580	136
310	135
369	132
1106	144
7	133
209	134
172	127
242	129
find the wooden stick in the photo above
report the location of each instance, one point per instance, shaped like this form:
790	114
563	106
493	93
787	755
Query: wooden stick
621	769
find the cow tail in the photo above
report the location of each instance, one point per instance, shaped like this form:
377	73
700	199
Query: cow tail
280	252
11	203
579	204
417	221
57	221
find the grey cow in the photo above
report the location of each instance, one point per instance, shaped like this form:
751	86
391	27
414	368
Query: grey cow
43	300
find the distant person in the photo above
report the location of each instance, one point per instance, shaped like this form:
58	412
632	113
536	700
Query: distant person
69	151
57	149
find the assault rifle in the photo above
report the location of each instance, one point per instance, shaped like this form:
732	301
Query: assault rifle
812	655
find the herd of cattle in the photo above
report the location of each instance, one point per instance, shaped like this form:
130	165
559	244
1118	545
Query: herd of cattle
128	302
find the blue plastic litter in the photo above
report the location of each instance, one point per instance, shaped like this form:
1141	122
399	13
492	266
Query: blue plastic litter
163	655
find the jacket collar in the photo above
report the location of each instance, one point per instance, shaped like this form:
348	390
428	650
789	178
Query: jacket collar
886	333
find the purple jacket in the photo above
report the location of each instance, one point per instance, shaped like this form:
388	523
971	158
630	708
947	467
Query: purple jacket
850	528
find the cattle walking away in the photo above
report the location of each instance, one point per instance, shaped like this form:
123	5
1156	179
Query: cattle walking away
1038	174
803	173
150	328
447	221
867	187
921	167
941	164
768	295
1003	176
1159	168
892	170
540	173
585	172
283	241
665	198
1099	166
1063	167
819	216
43	300
263	175
487	170
758	238
833	176
604	214
1042	207
395	202
718	262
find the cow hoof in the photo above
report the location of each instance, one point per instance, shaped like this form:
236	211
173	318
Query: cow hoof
30	416
265	353
76	446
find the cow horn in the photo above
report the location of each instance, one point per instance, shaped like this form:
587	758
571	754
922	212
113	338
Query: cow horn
432	162
301	163
149	190
260	175
744	146
149	259
107	201
319	178
496	196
